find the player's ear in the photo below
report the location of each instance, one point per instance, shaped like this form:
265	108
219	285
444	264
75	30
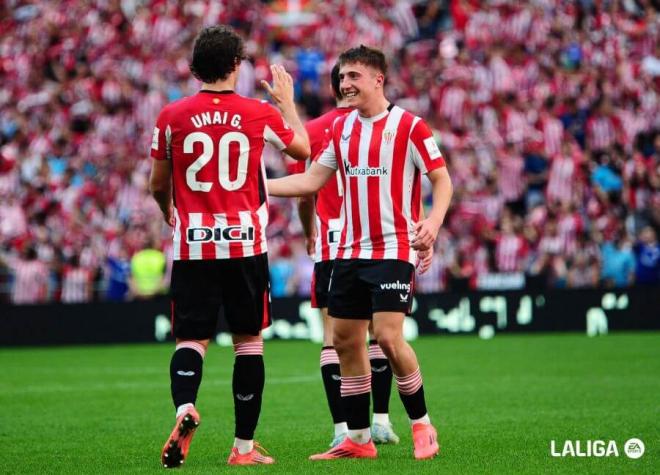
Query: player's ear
380	80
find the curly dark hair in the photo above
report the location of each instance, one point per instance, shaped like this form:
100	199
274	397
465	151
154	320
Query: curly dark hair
364	55
335	81
216	53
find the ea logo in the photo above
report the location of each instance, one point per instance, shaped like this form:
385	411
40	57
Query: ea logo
634	448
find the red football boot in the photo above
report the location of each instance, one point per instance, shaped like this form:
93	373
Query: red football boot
176	448
349	449
254	457
425	439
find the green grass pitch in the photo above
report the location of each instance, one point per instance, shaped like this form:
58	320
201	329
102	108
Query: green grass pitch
497	404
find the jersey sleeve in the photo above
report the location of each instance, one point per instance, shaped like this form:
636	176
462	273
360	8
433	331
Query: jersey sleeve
323	143
276	131
300	166
423	148
327	157
160	141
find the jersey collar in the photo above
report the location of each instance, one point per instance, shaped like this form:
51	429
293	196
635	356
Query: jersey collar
208	91
377	117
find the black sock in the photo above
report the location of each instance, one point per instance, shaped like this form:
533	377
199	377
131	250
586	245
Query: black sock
355	395
248	387
415	404
381	378
357	411
185	376
411	391
332	383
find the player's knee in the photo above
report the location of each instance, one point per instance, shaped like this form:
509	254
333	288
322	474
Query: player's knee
389	347
345	343
390	343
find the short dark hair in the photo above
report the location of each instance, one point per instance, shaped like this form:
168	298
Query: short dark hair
216	53
364	55
335	81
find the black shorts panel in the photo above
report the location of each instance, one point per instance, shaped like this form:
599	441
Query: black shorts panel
361	287
321	283
203	290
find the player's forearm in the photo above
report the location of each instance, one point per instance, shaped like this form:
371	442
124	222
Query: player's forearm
442	193
306	213
163	198
290	186
290	115
302	184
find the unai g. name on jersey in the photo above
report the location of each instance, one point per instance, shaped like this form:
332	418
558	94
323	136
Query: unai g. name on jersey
330	197
380	160
215	142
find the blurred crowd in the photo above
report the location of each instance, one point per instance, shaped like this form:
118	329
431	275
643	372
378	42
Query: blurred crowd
546	111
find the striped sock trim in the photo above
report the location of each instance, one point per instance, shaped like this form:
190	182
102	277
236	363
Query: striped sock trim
375	352
409	384
193	345
355	385
254	348
329	356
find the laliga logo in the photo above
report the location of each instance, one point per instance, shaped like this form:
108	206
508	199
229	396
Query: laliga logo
219	234
633	448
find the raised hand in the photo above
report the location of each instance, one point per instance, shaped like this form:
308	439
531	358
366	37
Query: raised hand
282	89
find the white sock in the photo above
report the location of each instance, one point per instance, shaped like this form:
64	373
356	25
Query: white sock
341	428
425	419
183	408
382	419
243	446
360	436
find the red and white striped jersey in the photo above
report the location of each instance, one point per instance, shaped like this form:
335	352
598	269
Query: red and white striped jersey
77	285
215	142
30	281
380	159
563	178
510	253
330	197
601	132
553	132
570	225
510	167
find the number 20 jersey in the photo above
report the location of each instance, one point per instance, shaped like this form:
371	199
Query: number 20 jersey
215	141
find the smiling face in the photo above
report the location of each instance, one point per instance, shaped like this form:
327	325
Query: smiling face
360	85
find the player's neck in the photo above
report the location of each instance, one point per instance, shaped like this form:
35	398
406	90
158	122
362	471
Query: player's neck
228	84
374	108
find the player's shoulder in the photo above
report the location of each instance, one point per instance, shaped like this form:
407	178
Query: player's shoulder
417	123
258	106
341	116
406	115
172	107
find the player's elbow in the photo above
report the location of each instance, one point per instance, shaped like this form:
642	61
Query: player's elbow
444	181
305	202
450	185
157	188
299	149
160	188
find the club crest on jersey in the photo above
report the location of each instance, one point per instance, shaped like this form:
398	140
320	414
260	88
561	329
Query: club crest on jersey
388	136
220	234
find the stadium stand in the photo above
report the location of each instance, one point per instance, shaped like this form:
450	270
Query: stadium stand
547	113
